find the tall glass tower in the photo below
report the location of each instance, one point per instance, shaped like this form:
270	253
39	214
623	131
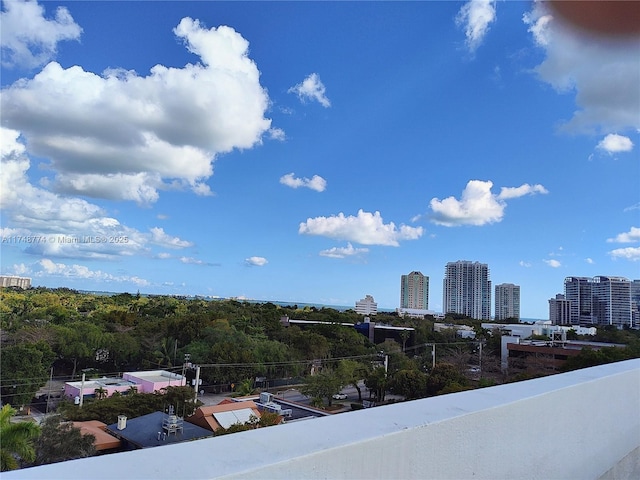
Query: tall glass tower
467	289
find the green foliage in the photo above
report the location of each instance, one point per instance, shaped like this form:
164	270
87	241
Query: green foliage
410	384
132	405
25	368
16	440
445	378
322	386
378	382
60	441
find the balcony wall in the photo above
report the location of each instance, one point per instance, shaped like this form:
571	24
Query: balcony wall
583	425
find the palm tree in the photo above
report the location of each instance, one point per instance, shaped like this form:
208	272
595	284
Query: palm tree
17	440
100	393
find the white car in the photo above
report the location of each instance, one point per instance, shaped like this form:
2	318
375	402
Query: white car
339	396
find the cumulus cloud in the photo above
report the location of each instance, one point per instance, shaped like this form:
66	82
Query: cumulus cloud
311	89
589	261
603	75
628	253
366	228
633	235
475	17
522	263
316	182
159	237
145	133
614	143
553	263
67	227
255	261
28	38
48	268
477	204
343	252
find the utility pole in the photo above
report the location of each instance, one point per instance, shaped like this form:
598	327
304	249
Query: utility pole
82	390
197	385
433	356
49	392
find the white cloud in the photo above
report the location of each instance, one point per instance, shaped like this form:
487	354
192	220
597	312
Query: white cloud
159	237
603	75
632	207
553	263
516	192
67	227
316	182
28	38
522	263
633	235
365	228
628	253
477	204
49	268
311	89
343	252
145	133
277	134
476	16
614	143
255	261
589	261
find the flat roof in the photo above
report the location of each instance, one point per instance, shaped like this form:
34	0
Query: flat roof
143	431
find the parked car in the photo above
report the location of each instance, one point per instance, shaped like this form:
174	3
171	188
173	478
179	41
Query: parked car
339	396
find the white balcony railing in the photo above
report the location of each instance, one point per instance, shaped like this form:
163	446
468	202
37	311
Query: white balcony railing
583	424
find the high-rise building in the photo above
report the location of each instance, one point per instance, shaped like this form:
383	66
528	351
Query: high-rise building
635	303
367	306
467	289
414	291
12	281
611	301
559	310
578	291
507	301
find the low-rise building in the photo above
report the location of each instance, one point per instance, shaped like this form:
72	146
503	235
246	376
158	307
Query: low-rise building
225	414
142	382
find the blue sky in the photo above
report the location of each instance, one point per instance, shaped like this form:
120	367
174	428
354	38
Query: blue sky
314	152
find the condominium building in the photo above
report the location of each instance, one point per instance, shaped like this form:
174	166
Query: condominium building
507	301
560	310
611	301
414	291
467	289
11	281
577	290
367	306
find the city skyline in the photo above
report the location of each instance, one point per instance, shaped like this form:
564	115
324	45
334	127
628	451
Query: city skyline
312	152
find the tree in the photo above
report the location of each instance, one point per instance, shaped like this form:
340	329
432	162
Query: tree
16	440
409	383
25	368
322	386
445	378
100	393
60	441
377	382
351	372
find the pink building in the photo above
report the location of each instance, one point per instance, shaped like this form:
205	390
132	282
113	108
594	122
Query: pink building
143	382
154	380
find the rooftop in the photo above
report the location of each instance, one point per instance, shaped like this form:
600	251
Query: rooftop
546	428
